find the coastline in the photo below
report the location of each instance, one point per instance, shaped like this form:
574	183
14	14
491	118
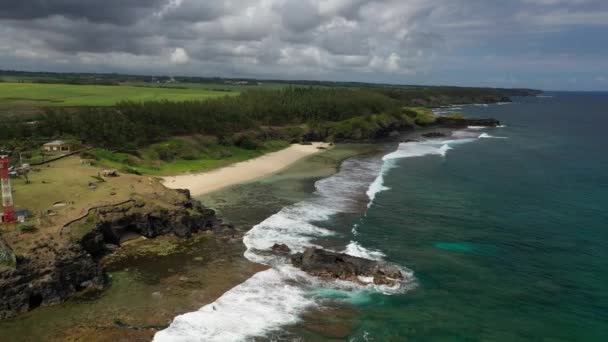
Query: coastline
179	283
273	286
154	280
207	182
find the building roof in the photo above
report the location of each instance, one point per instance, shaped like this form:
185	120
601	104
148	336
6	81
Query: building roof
55	142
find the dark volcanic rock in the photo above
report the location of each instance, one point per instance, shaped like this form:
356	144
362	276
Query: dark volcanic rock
332	265
47	280
115	224
6	254
50	274
434	135
459	122
281	248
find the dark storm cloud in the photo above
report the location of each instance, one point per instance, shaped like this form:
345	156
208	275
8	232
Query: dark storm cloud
300	15
195	11
121	12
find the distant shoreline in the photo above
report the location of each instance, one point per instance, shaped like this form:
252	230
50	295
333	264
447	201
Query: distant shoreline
242	172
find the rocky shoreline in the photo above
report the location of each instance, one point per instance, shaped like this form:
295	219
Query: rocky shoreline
52	271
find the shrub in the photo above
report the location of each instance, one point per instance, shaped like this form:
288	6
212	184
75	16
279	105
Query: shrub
456	116
130	170
27	227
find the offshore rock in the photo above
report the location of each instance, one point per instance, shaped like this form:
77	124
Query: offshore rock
434	135
281	248
333	265
463	122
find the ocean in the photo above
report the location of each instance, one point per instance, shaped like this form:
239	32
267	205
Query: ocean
502	235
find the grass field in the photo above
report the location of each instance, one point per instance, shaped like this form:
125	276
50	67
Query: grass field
212	86
206	159
14	96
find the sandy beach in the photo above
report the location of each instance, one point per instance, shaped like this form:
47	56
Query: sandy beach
204	183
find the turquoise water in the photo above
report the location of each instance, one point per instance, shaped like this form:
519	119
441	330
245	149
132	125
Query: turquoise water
508	238
505	231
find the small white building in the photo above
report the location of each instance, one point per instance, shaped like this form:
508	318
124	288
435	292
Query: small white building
56	146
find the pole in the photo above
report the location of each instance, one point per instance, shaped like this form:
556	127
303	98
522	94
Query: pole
8	216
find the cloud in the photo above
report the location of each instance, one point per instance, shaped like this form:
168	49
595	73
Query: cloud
179	56
121	12
372	40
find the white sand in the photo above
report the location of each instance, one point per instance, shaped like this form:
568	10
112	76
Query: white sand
203	183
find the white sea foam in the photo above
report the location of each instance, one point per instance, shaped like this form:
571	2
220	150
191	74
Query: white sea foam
291	226
487	136
477	127
501	126
355	249
416	149
276	297
354	230
377	185
405	150
265	302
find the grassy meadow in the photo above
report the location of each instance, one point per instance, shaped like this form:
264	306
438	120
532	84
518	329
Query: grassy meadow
180	155
14	96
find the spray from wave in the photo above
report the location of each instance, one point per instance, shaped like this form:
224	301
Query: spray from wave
416	149
487	136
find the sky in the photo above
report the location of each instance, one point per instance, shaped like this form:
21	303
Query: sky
544	44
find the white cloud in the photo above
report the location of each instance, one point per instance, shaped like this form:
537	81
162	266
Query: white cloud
179	56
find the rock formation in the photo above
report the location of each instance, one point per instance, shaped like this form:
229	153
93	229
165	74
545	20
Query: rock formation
463	122
333	265
53	271
434	135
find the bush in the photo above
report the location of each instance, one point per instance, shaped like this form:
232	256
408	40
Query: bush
130	170
206	140
88	155
27	227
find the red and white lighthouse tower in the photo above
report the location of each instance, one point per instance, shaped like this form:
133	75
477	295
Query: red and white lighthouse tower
8	216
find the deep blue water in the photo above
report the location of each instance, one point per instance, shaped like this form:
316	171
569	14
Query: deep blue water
508	238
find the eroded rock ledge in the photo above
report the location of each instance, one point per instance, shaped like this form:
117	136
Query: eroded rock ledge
332	265
464	122
57	269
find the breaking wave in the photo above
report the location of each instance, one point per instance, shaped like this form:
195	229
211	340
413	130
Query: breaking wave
277	297
487	136
355	249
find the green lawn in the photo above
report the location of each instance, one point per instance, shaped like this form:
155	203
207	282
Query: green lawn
209	158
28	95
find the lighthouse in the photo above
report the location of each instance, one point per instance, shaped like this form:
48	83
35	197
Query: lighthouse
8	216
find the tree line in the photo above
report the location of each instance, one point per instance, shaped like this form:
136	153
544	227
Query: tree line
129	125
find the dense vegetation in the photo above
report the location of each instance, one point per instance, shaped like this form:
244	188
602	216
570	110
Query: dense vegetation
136	124
328	111
153	134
